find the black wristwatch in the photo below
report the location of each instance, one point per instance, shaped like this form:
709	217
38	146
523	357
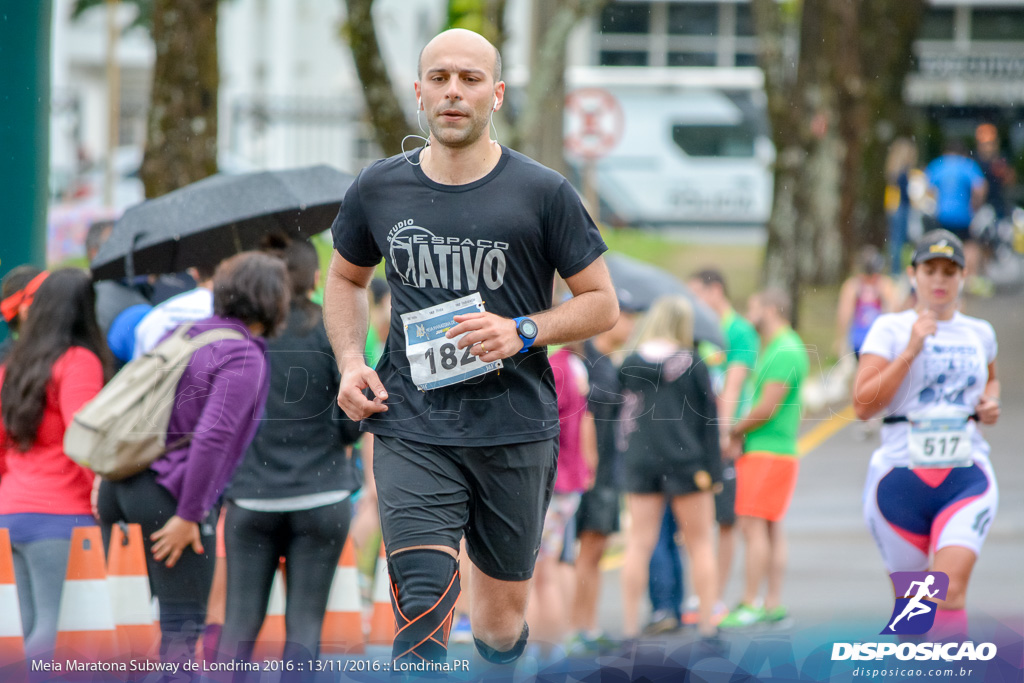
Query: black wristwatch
527	331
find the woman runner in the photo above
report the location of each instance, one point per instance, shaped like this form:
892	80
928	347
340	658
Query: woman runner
931	495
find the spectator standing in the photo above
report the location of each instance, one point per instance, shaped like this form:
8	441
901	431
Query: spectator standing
960	188
218	405
998	172
598	514
290	495
899	162
16	293
669	437
113	297
733	394
577	461
195	304
58	363
766	473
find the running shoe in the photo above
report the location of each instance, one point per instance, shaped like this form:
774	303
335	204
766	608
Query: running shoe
690	609
461	632
744	616
588	642
662	621
691	614
778	617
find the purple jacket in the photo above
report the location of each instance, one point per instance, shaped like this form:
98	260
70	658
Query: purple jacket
219	401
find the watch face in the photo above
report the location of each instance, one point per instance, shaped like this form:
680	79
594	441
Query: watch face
528	329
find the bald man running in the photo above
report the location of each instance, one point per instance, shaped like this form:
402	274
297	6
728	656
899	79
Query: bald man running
462	404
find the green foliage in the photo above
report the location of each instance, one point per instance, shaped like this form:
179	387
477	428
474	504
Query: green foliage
143	18
474	15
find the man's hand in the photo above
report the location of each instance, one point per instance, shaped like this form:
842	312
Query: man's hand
355	378
732	448
490	336
172	539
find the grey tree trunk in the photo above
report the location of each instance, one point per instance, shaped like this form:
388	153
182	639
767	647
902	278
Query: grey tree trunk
181	140
538	129
382	106
834	73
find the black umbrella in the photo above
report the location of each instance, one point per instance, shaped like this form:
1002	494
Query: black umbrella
209	220
640	284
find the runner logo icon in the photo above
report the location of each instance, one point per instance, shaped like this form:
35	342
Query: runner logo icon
914	612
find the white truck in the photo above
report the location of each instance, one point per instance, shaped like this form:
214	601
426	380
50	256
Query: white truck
694	147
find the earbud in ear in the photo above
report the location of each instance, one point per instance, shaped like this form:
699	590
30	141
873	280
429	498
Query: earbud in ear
494	105
419	103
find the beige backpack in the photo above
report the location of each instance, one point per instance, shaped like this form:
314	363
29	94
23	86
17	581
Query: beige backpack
123	429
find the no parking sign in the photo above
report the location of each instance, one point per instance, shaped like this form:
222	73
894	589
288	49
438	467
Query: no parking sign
594	123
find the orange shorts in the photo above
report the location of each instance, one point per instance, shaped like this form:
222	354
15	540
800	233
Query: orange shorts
764	484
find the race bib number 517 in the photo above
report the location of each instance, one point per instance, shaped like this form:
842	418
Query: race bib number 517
434	360
939	441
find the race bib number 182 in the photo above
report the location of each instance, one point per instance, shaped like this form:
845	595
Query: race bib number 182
434	360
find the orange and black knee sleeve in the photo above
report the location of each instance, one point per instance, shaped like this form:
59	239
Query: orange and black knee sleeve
425	586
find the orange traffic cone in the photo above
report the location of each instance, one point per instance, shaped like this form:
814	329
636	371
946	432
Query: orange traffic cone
85	623
342	632
382	623
12	645
137	632
270	641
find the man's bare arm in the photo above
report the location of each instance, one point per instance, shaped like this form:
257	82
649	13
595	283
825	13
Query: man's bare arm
729	399
346	318
593	309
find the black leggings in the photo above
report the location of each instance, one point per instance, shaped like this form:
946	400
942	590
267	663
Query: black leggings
311	542
182	590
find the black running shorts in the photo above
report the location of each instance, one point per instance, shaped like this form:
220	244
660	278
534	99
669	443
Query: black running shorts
598	511
725	500
496	495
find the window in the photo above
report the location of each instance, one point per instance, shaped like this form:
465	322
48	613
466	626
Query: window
704	140
744	20
626	17
997	24
691	58
937	24
746	59
693	19
623	58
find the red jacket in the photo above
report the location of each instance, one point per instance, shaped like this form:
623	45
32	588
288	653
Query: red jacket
43	479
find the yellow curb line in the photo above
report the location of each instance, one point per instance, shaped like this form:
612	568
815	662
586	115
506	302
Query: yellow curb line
820	434
807	443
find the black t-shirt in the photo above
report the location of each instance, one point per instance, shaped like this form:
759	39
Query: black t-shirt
605	403
669	414
503	236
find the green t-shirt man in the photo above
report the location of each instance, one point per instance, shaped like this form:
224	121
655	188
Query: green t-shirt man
742	343
783	360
